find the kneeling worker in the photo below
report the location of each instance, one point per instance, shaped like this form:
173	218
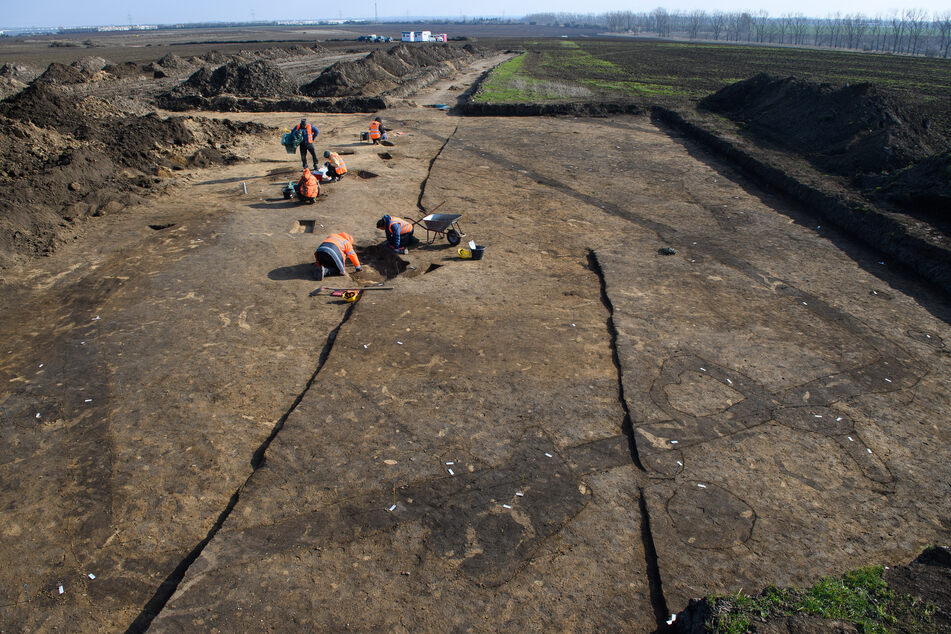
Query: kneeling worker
336	168
377	131
331	252
307	188
399	232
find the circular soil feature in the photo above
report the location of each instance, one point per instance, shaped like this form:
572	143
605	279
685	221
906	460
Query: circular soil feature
366	174
930	338
386	156
708	516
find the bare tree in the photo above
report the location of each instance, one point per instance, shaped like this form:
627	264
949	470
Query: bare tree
783	26
746	26
835	29
717	24
661	21
614	20
943	28
695	22
916	19
799	29
821	26
898	30
860	26
760	21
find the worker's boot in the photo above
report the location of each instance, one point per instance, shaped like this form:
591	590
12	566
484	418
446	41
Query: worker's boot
319	272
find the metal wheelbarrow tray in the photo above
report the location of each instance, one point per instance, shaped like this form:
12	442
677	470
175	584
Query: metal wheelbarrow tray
441	224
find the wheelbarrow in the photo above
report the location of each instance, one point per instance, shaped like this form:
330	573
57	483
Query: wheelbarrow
441	225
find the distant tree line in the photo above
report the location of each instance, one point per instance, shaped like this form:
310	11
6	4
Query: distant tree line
910	31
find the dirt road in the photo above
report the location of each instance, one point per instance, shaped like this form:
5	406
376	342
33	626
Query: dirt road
576	432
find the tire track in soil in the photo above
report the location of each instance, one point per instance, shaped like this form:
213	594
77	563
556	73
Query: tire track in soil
167	588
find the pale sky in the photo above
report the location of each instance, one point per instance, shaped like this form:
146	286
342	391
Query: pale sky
21	13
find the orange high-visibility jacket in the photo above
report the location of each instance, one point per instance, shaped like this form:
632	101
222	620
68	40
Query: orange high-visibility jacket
400	226
309	129
309	187
344	242
374	130
337	163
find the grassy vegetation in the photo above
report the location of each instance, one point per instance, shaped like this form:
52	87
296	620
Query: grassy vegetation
510	82
681	73
860	597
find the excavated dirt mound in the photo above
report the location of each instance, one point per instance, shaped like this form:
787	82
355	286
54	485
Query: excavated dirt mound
924	188
63	159
257	79
19	72
230	103
380	71
847	130
57	73
173	62
90	65
123	71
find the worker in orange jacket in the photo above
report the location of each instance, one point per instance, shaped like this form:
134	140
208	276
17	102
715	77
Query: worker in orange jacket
336	168
307	188
307	144
399	232
377	131
330	255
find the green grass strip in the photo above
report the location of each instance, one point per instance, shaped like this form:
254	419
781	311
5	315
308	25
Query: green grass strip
861	597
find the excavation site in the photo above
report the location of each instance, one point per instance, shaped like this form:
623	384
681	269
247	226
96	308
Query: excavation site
579	362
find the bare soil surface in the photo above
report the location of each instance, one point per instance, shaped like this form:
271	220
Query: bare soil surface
580	431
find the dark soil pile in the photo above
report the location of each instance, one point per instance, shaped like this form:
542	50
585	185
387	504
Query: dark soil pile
890	150
381	71
924	188
123	71
258	79
57	73
90	65
59	164
847	130
173	62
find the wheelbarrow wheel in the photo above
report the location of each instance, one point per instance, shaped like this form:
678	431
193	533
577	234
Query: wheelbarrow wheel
453	237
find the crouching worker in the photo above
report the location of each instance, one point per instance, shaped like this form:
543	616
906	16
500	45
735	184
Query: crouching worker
331	253
307	188
399	233
336	168
377	131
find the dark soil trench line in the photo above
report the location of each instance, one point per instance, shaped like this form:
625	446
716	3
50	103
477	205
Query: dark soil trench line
429	171
157	603
654	581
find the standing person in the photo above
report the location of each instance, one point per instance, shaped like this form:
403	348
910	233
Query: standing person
307	188
330	254
377	131
336	168
399	233
307	144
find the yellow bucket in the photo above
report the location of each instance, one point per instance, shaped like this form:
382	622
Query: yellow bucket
465	253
